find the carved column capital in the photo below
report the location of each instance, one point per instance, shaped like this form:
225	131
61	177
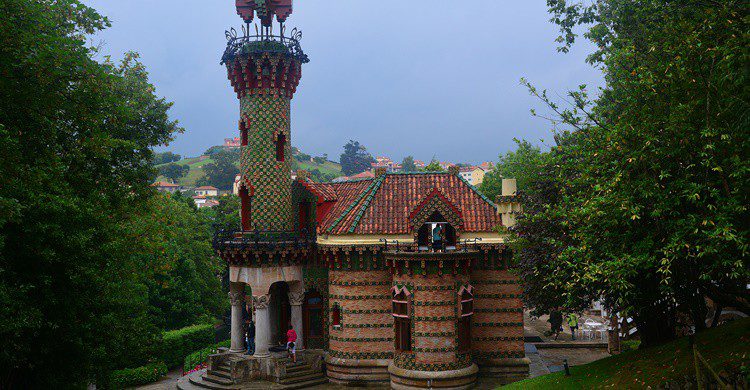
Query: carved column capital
296	298
260	302
237	298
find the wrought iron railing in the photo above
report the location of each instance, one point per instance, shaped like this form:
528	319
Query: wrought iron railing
230	238
263	43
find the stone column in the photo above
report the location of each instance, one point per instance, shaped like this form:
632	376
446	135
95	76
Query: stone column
295	300
237	297
262	325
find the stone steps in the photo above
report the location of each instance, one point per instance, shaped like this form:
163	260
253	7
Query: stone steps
195	381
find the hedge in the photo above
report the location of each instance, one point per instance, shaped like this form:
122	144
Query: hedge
130	377
200	356
176	344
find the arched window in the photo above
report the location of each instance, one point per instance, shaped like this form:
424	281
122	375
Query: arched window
280	142
464	322
336	316
402	322
245	207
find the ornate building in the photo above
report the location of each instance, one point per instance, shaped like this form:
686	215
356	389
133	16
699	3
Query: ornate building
400	278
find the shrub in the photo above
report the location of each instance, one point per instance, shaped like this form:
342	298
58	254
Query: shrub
130	377
199	357
177	344
629	345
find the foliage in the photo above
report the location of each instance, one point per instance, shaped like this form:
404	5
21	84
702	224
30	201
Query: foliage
407	165
131	377
226	213
321	177
302	156
219	149
355	159
321	159
76	139
184	287
200	356
433	166
725	348
179	343
643	201
522	164
174	171
166	157
222	171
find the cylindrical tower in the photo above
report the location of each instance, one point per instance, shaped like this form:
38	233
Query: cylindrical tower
265	70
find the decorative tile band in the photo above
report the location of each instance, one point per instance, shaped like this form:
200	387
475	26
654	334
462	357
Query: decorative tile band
497	338
360	355
441	318
435	334
492	282
434	303
358	297
434	350
388	311
499	310
497	324
359	326
361	339
386	283
498	296
503	354
435	288
408	361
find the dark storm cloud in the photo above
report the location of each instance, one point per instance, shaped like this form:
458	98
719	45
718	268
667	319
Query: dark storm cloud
421	77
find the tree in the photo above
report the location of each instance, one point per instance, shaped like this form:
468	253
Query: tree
166	157
355	159
646	205
184	288
407	165
433	166
222	171
174	171
73	302
522	164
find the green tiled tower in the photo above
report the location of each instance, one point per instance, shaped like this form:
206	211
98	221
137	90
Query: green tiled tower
265	72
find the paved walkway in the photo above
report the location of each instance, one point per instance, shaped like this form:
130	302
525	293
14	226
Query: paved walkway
169	382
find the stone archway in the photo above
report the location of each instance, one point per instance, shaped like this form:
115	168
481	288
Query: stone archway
277	295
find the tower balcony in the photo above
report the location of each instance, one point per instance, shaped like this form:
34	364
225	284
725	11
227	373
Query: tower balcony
263	247
258	44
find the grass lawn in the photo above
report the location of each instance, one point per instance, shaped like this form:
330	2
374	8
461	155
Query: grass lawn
652	366
326	168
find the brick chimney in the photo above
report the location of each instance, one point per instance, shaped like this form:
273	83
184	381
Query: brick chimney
507	203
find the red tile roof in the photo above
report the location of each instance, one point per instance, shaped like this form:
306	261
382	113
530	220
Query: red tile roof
382	205
324	191
207	188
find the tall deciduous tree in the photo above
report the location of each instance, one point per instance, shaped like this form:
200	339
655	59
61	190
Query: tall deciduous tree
521	164
76	140
647	202
222	171
355	158
407	165
174	171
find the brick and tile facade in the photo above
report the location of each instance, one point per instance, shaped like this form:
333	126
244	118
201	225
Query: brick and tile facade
404	276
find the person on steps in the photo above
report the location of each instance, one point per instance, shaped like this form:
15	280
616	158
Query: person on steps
291	340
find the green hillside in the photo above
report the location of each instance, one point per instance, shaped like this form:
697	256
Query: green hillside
328	168
723	346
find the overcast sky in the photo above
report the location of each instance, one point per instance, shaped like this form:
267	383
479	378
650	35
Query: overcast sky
421	77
